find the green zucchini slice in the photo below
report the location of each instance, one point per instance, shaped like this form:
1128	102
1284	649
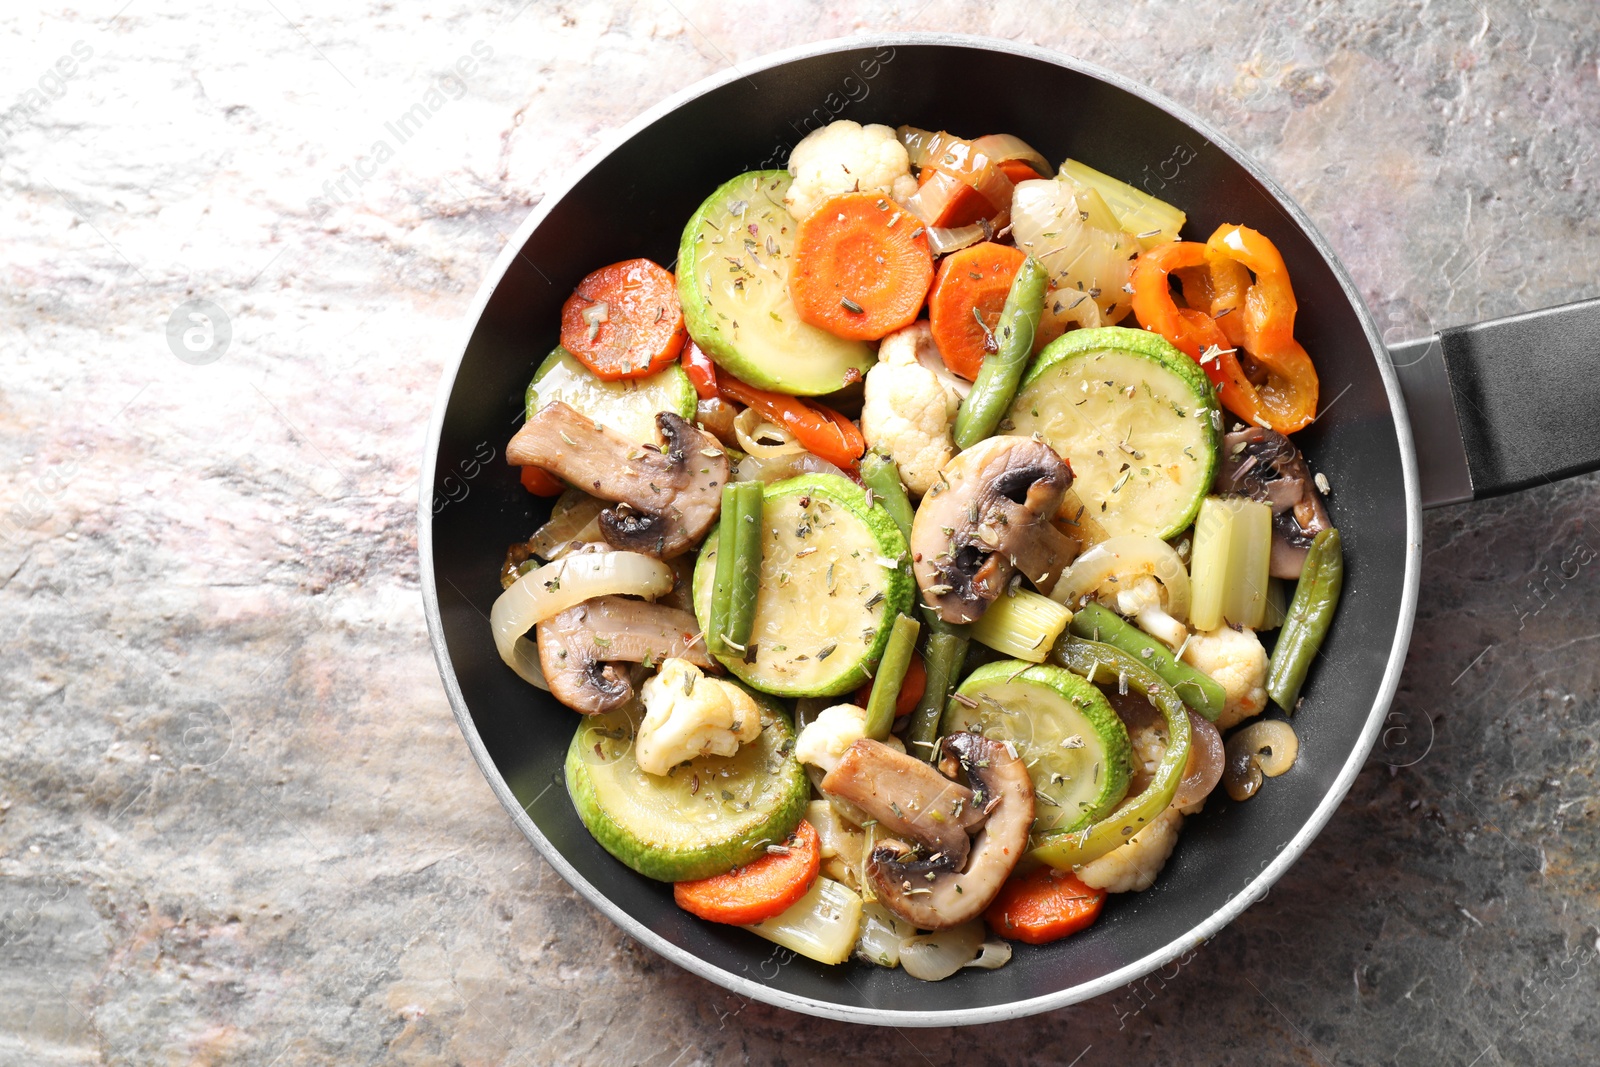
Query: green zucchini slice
1075	746
834	574
628	407
733	283
708	816
1136	419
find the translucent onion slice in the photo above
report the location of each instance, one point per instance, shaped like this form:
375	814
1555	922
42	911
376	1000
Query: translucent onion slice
942	240
1053	220
1206	761
1001	147
557	586
769	469
955	158
757	436
1124	558
936	956
996	953
575	517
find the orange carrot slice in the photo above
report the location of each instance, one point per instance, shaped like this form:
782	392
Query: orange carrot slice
624	321
862	267
968	295
1042	906
758	890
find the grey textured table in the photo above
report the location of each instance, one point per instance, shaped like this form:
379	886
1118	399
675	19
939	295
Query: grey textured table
237	821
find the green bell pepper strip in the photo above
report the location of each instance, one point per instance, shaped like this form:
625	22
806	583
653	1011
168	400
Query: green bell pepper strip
738	572
891	676
1002	369
1316	598
1198	690
1097	661
943	656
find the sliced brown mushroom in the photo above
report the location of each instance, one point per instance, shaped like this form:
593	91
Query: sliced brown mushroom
907	797
580	647
668	495
929	889
988	516
1265	465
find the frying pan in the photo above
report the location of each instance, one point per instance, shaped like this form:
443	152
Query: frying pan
1493	407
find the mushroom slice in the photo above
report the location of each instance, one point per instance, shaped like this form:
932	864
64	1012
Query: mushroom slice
668	495
579	647
929	890
908	798
987	516
1265	465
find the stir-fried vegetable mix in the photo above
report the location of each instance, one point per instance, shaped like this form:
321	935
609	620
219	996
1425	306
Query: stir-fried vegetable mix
915	545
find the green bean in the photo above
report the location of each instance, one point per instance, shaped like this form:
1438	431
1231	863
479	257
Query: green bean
942	657
1002	369
882	476
1197	689
738	572
1316	598
1093	659
891	676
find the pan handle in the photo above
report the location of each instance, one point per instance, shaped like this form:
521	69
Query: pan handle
1506	404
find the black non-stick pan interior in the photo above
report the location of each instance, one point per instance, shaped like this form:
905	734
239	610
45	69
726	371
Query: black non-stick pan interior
635	202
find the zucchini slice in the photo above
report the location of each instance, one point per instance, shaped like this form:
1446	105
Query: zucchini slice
733	283
834	575
1075	746
628	407
1135	417
708	816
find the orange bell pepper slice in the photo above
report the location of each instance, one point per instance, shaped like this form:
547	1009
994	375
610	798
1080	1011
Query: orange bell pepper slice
1190	329
820	429
1268	325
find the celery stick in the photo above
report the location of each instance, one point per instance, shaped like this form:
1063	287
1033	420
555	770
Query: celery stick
1208	566
822	925
1022	624
1249	559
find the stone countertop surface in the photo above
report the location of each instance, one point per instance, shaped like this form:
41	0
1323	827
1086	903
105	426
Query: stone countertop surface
238	823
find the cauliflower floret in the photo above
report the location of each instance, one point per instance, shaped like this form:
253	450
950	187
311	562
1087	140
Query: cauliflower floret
1236	660
845	157
1141	601
908	410
1132	868
824	740
688	714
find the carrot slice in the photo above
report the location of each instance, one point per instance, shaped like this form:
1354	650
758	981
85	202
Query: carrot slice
758	890
541	482
820	429
701	371
1042	906
966	205
911	689
862	267
976	279
624	321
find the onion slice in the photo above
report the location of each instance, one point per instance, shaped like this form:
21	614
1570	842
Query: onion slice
769	469
958	159
934	957
1125	557
1206	759
749	429
942	240
1002	147
555	587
